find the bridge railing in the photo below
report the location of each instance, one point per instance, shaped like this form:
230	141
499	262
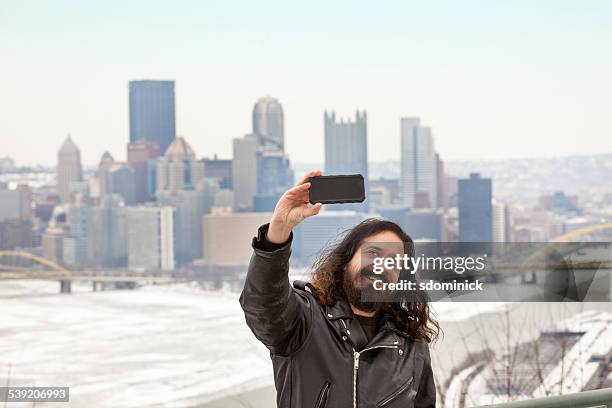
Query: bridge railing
585	399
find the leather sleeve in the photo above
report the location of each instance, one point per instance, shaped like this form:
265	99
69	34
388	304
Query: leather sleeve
426	394
278	315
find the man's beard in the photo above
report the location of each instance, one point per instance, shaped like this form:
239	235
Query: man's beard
354	293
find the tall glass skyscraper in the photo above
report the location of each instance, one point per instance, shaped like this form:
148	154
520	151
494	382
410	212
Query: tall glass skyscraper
475	209
152	115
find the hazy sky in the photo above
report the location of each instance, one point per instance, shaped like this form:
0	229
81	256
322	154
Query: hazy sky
494	79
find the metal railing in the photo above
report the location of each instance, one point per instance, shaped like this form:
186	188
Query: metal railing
585	399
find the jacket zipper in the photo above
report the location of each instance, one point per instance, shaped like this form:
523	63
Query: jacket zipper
356	355
395	393
322	395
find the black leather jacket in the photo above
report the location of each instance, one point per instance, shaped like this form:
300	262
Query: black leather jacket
320	354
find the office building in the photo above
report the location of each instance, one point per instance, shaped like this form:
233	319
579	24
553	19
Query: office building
244	172
120	181
178	169
346	150
419	224
274	177
53	244
346	144
475	209
77	247
441	193
501	221
150	238
391	186
560	202
108	233
106	162
220	170
313	235
221	228
418	173
152	112
142	156
190	207
69	169
16	233
10	204
268	122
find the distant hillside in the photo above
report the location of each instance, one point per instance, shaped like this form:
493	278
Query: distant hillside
522	180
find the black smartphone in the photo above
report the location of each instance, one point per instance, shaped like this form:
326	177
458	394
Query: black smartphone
337	189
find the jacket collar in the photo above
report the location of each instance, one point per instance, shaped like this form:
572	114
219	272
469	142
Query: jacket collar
341	309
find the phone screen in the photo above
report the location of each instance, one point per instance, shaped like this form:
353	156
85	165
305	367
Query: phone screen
337	189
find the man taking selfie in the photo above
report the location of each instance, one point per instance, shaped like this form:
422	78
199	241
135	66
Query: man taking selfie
329	347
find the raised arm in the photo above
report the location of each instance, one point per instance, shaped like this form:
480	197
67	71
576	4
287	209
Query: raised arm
277	315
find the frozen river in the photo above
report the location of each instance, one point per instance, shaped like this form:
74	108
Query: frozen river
154	346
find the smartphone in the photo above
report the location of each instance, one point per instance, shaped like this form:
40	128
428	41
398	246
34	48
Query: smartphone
337	189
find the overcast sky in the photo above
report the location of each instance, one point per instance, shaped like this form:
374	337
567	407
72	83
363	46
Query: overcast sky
493	79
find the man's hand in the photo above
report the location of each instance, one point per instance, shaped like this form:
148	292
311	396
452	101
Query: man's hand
291	209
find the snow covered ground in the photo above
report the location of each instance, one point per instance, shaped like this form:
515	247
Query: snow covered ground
154	346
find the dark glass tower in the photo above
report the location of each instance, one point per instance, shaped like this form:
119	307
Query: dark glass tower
152	114
475	209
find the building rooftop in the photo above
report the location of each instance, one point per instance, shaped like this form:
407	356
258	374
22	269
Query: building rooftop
179	148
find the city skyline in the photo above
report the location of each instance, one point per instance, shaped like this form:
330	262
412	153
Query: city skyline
488	89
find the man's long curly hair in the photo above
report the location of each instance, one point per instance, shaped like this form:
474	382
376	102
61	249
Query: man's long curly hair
414	317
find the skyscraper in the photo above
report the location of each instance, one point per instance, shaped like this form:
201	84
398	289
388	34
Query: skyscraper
152	112
346	145
244	172
106	162
260	174
441	193
150	238
25	200
189	210
501	221
77	243
418	178
220	170
69	168
274	173
274	177
9	204
346	150
178	170
141	156
108	233
268	122
325	229
120	181
475	210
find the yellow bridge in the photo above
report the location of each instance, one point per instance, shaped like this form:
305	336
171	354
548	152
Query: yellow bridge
25	265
